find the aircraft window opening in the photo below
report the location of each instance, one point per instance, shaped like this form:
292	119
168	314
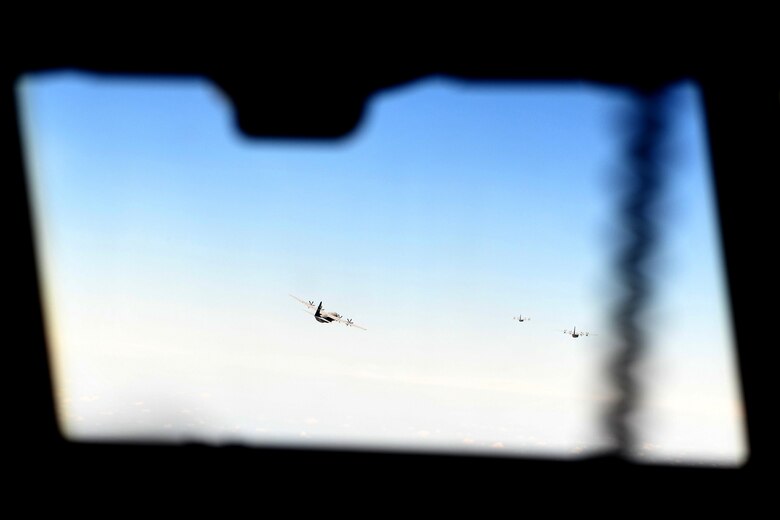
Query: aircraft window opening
426	238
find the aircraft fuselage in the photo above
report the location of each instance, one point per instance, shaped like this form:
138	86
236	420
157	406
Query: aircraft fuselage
325	317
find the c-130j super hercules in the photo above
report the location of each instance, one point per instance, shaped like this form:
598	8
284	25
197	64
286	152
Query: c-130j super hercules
323	316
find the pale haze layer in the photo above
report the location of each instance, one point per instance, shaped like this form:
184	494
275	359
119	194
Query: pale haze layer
168	245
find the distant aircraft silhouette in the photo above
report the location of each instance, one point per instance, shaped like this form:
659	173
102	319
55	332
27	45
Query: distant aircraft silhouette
574	334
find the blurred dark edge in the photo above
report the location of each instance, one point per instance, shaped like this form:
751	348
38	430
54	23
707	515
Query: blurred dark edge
317	87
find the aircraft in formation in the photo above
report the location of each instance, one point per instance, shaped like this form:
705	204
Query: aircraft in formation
573	333
323	316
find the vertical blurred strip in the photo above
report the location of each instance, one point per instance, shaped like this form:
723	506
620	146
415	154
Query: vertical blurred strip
641	185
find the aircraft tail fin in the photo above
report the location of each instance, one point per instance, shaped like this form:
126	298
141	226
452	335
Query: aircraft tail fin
319	308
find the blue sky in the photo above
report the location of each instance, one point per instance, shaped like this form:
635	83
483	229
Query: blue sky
169	244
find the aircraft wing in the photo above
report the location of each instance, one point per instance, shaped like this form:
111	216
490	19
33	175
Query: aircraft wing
349	323
307	304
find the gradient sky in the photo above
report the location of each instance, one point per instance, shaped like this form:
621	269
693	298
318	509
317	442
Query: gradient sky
169	243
